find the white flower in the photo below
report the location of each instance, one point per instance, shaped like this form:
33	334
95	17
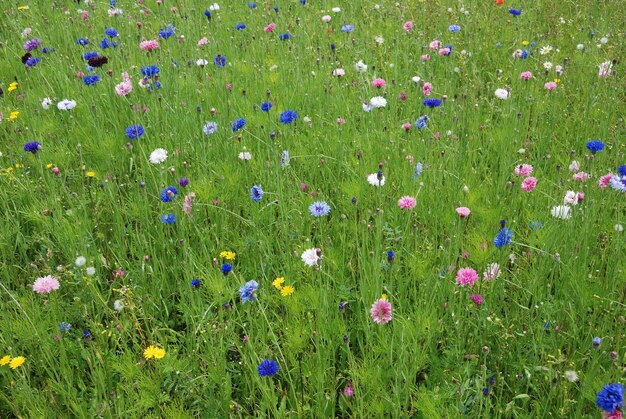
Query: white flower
619	228
118	305
201	62
66	105
307	119
545	50
561	211
245	155
339	72
378	102
547	65
158	156
571	198
80	261
416	79
379	40
571	375
310	257
367	107
91	271
580	47
604	40
214	6
492	272
574	166
326	18
502	94
374	181
360	67
115	12
336	10
46	103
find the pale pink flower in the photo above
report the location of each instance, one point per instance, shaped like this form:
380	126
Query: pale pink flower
604	70
26	32
444	51
463	212
491	272
605	180
381	311
46	284
408	26
581	176
570	198
124	87
173	9
410	158
425	57
339	72
80	74
574	166
427	88
188	202
407	202
378	83
559	70
435	45
466	276
529	184
551	85
326	18
341	121
269	28
149	45
523	170
526	75
202	42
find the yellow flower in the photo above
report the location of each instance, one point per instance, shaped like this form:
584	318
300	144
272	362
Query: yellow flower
9	169
49	166
5	360
12	87
384	296
90	174
23	8
278	283
228	255
18	166
16	362
154	352
13	115
557	80
525	43
287	290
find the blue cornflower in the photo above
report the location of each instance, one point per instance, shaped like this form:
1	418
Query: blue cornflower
503	237
302	1
454	28
47	50
111	3
288	116
247	291
168	219
111	33
150	70
209	128
418	170
82	41
86	334
168	194
226	268
240	26
32	61
284	159
219	60
596	342
515	12
610	398
134	132
155	85
238	124
196	283
65	327
284	36
105	43
443	273
391	256
266	106
207	13
432	102
256	193
347	28
268	368
594	146
525	54
422	122
536	225
167	31
252	5
91	79
319	209
183	182
622	170
276	9
618	183
90	54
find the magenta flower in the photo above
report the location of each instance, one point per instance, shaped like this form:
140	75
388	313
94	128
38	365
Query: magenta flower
463	212
526	75
476	298
46	284
605	180
378	83
407	202
529	184
581	176
466	276
381	311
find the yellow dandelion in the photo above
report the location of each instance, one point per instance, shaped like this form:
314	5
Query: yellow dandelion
16	362
13	116
5	360
49	166
384	296
90	174
18	166
9	169
557	80
23	8
228	255
278	283
525	43
12	87
287	290
153	352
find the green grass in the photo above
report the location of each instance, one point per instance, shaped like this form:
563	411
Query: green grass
560	286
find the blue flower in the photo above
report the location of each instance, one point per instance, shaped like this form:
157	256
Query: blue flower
246	292
515	12
238	124
432	102
288	116
150	70
268	368
618	183
266	106
347	28
391	256
252	5
594	146
168	219
611	397
276	9
525	54
105	43
183	181
219	60
168	194
65	327
596	342
503	237
422	122
196	283
47	50
82	41
256	193
240	26
449	47
167	31
622	170
454	28
209	128
32	61
418	170
111	33
535	225
284	36
91	79
134	132
226	268
90	54
319	209
207	13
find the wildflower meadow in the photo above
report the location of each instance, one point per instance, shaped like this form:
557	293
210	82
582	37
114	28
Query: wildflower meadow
312	208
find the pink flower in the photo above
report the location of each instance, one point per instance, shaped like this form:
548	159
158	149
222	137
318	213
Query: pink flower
581	176
187	205
340	121
550	85
173	9
466	276
26	32
124	87
46	284
410	159
529	184
427	88
604	69
476	298
229	86
202	42
269	28
605	180
80	74
85	15
435	45
492	272
349	390
378	83
526	75
444	51
402	96
408	26
381	311
581	196
573	167
425	57
617	414
463	212
149	45
523	170
407	202
406	126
